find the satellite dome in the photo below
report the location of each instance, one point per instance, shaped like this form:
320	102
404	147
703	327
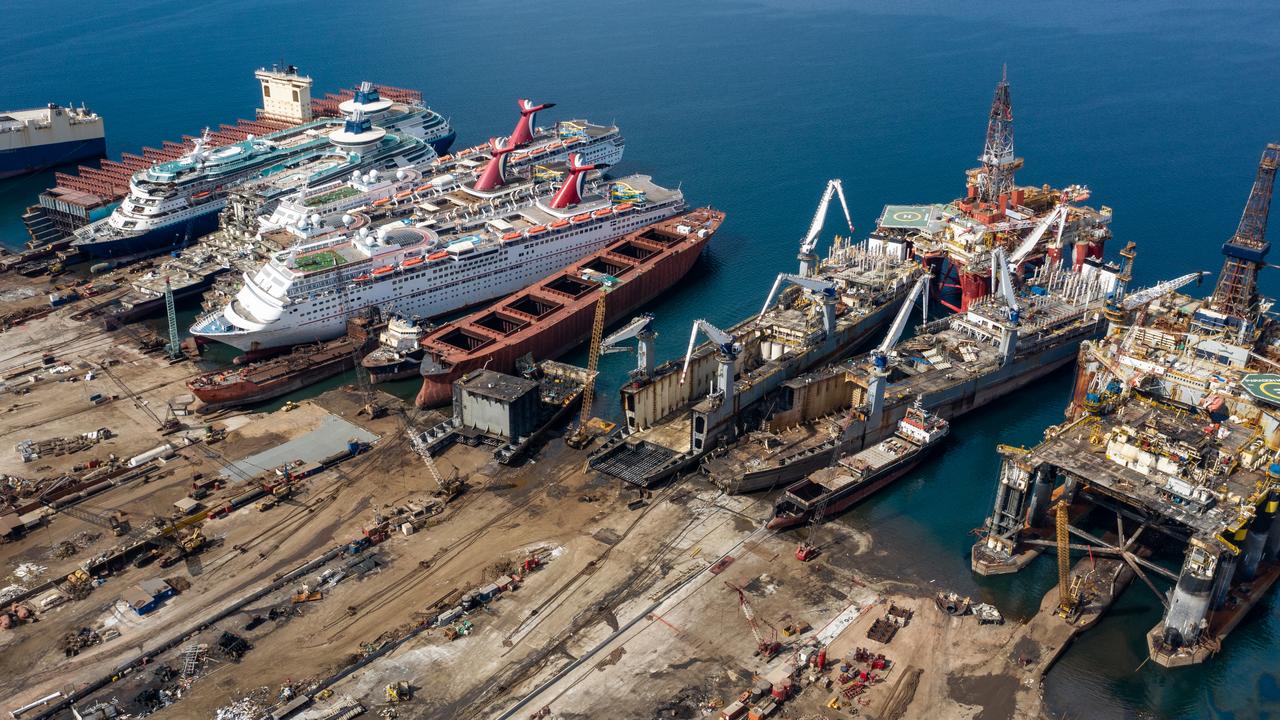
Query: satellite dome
364	232
315	218
401	175
347	219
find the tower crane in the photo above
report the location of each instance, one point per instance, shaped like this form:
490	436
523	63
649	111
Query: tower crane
809	260
1066	596
826	292
580	436
641	329
767	645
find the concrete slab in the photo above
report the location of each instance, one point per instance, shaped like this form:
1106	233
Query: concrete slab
329	437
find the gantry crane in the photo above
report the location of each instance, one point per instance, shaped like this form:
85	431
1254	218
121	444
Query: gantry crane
808	259
767	645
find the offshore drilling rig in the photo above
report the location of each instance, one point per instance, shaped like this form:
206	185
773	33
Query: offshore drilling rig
1173	428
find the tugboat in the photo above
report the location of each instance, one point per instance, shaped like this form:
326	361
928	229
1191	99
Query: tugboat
830	491
399	354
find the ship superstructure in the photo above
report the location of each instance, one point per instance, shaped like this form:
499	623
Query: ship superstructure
50	136
451	246
677	412
399	353
1173	426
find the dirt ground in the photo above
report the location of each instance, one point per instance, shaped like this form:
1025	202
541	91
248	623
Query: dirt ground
633	614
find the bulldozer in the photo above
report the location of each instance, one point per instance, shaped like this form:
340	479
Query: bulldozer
399	691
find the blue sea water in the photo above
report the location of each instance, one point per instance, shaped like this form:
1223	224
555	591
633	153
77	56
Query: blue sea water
1160	106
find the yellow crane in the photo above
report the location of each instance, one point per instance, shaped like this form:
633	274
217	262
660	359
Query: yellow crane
580	436
1066	599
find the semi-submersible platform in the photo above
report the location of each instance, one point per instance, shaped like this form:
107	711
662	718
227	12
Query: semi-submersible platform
1173	429
759	405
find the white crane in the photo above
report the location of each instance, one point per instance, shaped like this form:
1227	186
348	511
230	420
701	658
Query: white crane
881	352
641	329
1002	278
1058	215
727	348
808	260
1159	290
826	292
880	355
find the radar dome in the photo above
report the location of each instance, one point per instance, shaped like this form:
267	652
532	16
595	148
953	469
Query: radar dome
315	218
401	175
347	219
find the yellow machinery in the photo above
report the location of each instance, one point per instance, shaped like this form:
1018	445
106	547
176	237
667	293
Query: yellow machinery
581	435
399	691
1066	598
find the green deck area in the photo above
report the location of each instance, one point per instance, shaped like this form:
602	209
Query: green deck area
322	260
341	193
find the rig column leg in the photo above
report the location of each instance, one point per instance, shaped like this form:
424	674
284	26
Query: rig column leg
1257	542
1185	618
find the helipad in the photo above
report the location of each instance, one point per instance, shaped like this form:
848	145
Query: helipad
1264	386
917	217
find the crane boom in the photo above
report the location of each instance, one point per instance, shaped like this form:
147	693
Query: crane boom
834	187
1058	215
814	284
721	338
613	343
900	321
1159	290
1001	266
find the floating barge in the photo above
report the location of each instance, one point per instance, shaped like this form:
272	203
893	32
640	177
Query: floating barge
552	316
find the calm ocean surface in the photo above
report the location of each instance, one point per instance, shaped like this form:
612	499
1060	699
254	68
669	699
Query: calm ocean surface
1161	107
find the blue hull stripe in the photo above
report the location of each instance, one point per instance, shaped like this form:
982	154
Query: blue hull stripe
38	157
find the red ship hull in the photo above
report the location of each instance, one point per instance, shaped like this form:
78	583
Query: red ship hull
556	330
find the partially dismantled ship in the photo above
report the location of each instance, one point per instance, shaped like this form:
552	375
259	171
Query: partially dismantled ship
555	314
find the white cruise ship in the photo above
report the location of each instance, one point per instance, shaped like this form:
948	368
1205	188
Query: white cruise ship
173	203
463	247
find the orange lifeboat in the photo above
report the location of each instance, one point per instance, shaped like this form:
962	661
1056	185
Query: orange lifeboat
384	270
444	159
602	212
537	229
199	195
559	224
574	139
510	236
438	255
403	194
422	188
464	152
362	278
555	145
538	151
410	262
380	203
580	218
623	207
